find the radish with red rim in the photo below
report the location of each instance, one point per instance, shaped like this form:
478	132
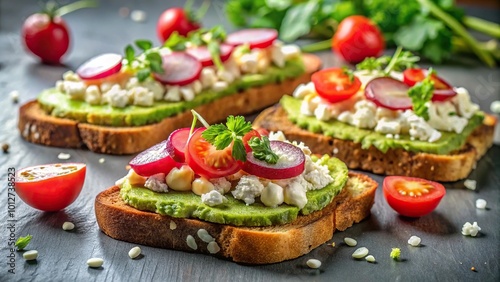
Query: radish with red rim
176	143
204	56
100	67
255	37
154	160
389	93
179	69
291	166
442	89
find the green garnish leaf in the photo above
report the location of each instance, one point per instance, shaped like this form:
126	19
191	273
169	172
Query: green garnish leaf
349	73
221	136
261	148
144	45
143	74
176	42
400	61
155	62
22	242
395	253
214	49
373	64
420	94
129	54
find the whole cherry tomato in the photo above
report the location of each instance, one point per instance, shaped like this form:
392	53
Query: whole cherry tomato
46	37
175	19
357	38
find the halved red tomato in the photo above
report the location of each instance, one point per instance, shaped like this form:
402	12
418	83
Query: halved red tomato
252	133
442	89
334	85
411	196
206	160
50	187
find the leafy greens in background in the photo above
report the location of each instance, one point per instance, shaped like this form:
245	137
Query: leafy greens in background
432	28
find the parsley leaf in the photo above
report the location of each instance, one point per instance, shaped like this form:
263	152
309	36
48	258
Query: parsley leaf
22	242
144	45
261	148
420	94
129	54
400	61
221	136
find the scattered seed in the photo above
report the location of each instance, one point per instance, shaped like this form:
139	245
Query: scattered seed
102	160
313	263
68	226
95	262
213	247
473	269
360	253
191	242
173	226
414	241
63	156
30	255
333	244
470	184
14	95
138	16
495	107
5	148
370	258
134	252
481	204
204	236
350	242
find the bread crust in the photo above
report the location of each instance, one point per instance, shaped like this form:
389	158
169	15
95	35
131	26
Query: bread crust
252	245
38	127
452	167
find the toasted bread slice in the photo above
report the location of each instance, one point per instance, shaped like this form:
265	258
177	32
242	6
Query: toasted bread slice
253	245
38	127
452	167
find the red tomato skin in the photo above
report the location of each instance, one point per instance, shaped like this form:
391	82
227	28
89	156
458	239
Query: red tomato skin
252	133
357	38
47	39
327	89
52	194
174	19
412	206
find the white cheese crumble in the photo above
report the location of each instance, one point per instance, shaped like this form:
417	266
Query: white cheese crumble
481	204
213	198
414	241
295	194
272	195
63	156
157	183
470	184
221	185
470	229
248	188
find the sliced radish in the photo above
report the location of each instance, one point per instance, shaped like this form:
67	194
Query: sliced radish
443	94
100	67
291	166
389	93
255	37
442	89
176	143
202	54
179	69
153	160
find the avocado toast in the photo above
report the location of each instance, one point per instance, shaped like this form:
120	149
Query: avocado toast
243	207
368	133
135	102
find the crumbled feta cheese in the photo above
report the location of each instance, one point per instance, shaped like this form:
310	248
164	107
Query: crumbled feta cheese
386	125
309	104
247	189
272	195
263	62
322	112
470	229
481	204
249	63
208	77
173	94
141	96
463	103
60	86
305	149
71	76
221	184
219	86
106	86
345	117
156	183
117	97
442	116
421	130
156	88
295	194
231	66
132	82
382	112
364	117
213	198
319	176
277	136
414	241
187	92
225	75
197	87
93	95
470	184
303	90
277	56
75	89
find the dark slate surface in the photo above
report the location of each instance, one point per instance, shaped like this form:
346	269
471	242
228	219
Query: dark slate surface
445	254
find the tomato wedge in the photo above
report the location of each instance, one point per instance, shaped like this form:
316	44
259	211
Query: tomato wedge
203	55
254	37
153	160
176	143
50	187
334	85
205	160
389	93
442	89
100	67
411	196
252	133
179	68
290	166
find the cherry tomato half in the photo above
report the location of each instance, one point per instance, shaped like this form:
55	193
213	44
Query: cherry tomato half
206	160
442	89
50	187
252	133
334	84
411	196
357	38
47	38
174	19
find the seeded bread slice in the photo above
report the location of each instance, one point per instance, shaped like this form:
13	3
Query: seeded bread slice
37	127
452	167
253	245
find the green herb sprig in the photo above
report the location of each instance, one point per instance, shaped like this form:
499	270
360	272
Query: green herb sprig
261	148
400	61
421	93
22	242
222	135
147	63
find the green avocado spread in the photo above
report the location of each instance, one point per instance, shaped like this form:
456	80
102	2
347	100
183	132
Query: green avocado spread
60	105
235	212
448	142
